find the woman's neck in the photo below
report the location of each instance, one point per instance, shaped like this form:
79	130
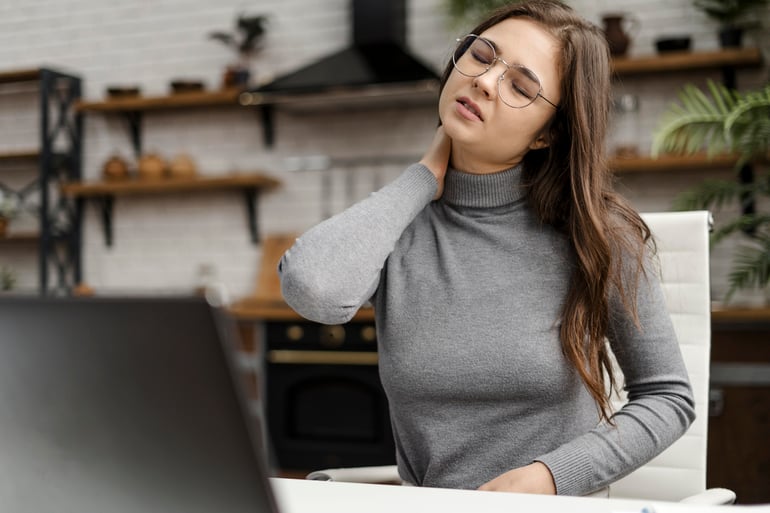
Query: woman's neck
477	164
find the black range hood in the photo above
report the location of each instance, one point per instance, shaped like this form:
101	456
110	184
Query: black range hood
377	59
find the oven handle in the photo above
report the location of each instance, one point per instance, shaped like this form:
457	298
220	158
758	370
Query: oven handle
289	356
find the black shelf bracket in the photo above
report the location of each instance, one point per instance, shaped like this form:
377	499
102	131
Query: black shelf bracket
105	204
266	113
134	119
251	196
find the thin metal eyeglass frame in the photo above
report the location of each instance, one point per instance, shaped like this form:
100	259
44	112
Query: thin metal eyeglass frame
500	78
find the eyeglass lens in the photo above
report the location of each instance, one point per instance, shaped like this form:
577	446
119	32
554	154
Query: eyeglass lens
474	56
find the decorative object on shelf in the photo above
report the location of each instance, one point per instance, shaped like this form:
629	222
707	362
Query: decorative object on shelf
7	279
82	290
151	167
726	122
245	40
619	29
733	17
673	44
9	208
123	91
625	126
115	168
186	86
182	166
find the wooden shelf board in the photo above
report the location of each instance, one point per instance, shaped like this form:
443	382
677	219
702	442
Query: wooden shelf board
128	187
22	238
738	314
10	156
173	101
683	61
19	75
671	163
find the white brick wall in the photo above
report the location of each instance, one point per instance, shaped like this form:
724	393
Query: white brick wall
161	242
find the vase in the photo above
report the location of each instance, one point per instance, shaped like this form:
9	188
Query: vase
731	37
618	29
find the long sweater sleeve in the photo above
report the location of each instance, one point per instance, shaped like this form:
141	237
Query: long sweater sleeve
334	268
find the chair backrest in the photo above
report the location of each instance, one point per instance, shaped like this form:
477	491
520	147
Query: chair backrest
683	252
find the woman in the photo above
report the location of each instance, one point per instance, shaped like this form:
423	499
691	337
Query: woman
499	266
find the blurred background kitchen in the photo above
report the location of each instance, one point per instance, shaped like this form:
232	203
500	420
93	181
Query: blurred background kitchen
165	143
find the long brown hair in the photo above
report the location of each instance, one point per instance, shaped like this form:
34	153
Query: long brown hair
570	187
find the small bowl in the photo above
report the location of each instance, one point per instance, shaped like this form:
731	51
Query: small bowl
123	91
186	86
673	44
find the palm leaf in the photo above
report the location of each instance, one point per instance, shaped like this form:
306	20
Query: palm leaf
751	269
708	194
744	223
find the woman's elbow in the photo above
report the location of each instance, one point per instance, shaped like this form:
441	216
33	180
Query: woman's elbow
312	299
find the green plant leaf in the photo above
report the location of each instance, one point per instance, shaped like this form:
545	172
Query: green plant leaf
751	268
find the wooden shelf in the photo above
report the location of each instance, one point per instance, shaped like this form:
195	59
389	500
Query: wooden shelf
105	192
20	239
664	163
20	75
685	61
19	155
172	101
160	186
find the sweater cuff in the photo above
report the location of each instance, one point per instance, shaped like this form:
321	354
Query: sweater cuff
571	470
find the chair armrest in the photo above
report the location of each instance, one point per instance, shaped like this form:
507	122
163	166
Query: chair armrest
712	496
377	475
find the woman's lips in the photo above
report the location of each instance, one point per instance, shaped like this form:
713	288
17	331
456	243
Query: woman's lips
469	110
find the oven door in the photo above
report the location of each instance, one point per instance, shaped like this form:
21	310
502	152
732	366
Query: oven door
327	408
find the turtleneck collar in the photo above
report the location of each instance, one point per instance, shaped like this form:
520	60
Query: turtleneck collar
483	191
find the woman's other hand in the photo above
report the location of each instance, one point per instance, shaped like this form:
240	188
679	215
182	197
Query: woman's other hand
437	158
533	478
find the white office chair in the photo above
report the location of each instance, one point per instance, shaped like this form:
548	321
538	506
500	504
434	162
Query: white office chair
679	473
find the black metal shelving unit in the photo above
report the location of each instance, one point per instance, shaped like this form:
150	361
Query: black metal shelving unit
58	159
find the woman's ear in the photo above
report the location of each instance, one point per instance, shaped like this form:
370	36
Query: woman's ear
541	141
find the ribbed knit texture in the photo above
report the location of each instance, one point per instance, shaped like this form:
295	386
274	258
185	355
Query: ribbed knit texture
468	292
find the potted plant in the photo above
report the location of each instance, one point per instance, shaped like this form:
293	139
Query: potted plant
8	210
471	11
726	121
7	279
732	16
245	40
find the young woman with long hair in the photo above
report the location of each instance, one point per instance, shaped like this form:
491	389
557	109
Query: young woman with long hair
502	267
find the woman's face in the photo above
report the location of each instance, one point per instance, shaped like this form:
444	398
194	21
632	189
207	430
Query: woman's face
487	134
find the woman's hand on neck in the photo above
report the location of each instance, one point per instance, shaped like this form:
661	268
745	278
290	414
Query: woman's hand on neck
436	158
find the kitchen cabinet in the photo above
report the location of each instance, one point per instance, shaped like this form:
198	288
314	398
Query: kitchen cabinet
55	157
739	410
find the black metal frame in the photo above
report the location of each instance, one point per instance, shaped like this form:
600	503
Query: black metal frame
61	151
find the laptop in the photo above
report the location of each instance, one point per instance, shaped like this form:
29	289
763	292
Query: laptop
124	405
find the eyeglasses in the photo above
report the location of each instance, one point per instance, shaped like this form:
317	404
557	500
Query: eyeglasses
517	87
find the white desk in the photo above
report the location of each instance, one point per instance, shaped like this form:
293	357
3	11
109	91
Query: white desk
301	496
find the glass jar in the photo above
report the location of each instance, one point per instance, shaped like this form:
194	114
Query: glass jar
625	126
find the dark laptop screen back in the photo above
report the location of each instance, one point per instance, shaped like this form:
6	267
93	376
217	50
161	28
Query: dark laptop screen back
121	405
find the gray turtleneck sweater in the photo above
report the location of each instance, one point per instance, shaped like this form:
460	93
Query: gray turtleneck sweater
468	291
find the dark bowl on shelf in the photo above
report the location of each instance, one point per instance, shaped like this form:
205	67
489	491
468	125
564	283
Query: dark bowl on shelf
186	86
123	91
673	44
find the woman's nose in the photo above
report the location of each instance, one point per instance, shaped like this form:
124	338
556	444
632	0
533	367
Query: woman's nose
487	82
